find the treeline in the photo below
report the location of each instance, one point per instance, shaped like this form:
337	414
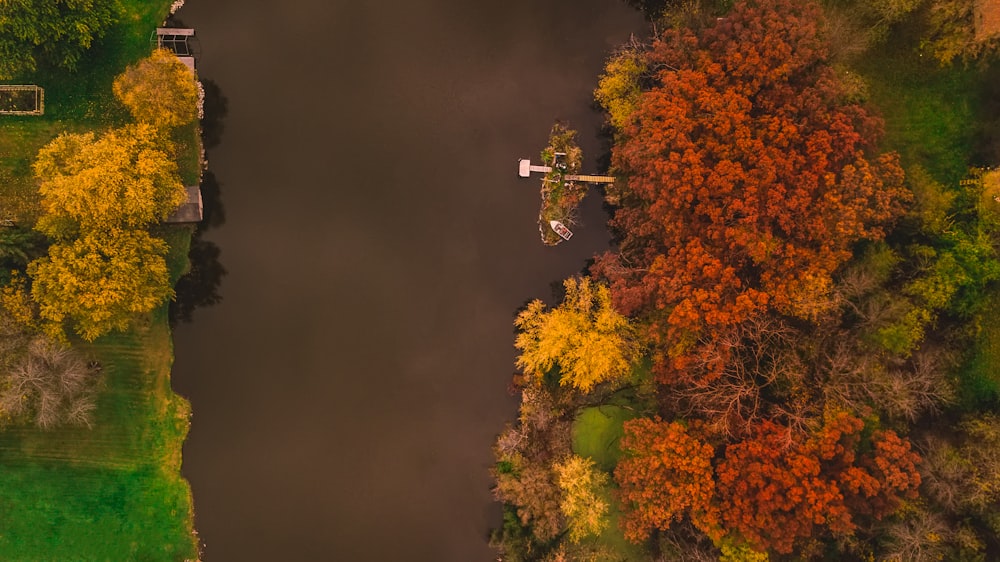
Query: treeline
93	262
778	340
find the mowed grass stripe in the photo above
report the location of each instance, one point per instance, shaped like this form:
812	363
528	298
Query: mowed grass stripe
112	492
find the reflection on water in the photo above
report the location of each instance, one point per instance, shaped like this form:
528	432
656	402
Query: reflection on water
199	287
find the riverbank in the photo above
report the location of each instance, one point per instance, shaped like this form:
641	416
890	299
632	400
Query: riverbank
885	359
112	491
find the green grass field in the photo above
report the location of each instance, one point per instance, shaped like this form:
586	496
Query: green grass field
930	112
613	538
596	432
112	492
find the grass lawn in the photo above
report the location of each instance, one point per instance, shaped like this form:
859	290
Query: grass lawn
613	538
596	432
931	113
980	377
112	492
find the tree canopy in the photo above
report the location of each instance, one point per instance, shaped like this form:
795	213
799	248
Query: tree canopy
101	280
126	178
589	341
581	484
750	175
159	90
57	32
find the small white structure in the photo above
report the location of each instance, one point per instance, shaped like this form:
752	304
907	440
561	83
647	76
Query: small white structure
524	168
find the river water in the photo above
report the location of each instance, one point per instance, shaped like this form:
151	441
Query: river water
378	242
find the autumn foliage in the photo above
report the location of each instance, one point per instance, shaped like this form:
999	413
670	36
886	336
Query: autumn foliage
665	475
749	174
159	90
776	487
585	337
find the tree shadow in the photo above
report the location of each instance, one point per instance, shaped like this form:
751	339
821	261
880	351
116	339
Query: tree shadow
200	286
216	108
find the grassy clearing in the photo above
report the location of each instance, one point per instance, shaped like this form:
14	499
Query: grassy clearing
613	538
930	112
980	379
596	432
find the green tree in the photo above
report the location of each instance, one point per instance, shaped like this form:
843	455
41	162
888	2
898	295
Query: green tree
159	90
581	484
55	31
101	281
124	179
585	336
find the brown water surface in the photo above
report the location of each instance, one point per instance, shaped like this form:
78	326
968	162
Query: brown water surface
378	242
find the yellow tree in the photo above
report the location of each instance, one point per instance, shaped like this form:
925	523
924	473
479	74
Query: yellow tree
581	483
589	341
159	90
618	90
124	179
101	280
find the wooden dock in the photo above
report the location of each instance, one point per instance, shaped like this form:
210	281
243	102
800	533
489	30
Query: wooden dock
525	168
590	179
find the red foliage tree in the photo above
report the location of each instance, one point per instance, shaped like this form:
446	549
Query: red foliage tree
776	488
665	475
772	491
748	176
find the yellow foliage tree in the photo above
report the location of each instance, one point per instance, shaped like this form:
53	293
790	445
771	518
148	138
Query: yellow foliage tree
101	280
159	90
618	90
585	336
581	483
124	179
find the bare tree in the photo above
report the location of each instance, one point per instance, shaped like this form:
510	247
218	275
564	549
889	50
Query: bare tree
50	385
754	355
858	380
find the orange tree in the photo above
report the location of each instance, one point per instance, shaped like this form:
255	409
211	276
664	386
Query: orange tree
664	476
750	175
776	488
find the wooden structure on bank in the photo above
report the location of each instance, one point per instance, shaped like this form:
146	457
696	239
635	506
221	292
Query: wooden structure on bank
177	40
525	168
190	211
22	99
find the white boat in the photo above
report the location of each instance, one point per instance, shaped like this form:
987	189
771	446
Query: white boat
561	229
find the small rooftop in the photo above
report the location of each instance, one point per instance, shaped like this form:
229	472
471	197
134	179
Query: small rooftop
191	210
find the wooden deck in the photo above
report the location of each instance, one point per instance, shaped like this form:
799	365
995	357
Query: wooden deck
525	169
591	179
191	210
